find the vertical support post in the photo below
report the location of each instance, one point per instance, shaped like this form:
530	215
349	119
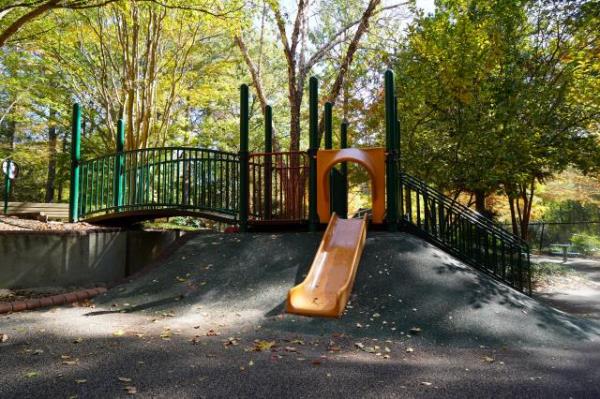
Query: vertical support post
328	119
399	184
313	218
119	164
328	125
75	159
344	166
268	162
542	237
391	149
7	185
244	165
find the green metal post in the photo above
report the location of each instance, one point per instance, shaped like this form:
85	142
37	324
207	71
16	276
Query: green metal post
313	218
399	184
328	126
7	185
75	159
244	165
119	164
328	119
391	170
344	167
268	162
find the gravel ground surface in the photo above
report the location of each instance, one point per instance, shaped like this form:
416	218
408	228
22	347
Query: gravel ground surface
11	223
209	323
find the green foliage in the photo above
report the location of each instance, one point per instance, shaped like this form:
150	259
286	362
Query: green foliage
490	97
544	271
571	211
586	244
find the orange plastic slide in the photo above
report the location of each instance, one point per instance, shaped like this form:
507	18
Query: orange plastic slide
326	288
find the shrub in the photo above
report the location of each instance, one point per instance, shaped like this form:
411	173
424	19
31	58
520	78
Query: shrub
587	244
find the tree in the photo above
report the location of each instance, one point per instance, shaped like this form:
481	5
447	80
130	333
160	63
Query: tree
14	15
487	100
301	55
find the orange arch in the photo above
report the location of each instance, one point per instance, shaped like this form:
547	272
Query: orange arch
372	159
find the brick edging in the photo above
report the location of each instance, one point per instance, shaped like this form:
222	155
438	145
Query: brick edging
53	300
70	297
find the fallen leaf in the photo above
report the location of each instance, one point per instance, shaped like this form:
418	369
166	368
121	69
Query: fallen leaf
260	346
166	334
70	362
3	338
32	374
212	333
81	381
290	349
131	390
426	383
231	341
37	352
78	340
124	379
409	350
489	359
119	333
250	363
195	340
415	330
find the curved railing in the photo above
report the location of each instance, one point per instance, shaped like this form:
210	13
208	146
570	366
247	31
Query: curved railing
152	179
465	233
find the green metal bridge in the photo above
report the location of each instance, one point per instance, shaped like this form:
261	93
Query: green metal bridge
279	188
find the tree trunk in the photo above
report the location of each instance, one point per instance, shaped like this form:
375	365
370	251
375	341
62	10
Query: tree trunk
480	202
12	132
52	141
61	180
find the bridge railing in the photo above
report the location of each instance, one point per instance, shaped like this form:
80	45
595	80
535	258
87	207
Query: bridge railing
278	186
160	178
465	233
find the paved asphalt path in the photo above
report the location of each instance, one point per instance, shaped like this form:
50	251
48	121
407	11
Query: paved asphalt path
209	323
580	295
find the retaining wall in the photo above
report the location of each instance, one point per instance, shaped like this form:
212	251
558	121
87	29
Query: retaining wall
45	259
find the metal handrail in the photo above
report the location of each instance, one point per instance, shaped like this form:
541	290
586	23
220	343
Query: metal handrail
464	233
186	178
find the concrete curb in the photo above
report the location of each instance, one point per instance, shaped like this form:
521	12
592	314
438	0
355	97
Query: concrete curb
53	300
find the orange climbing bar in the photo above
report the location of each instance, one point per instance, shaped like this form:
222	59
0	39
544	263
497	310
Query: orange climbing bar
327	287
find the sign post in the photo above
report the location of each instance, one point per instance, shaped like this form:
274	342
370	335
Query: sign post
11	171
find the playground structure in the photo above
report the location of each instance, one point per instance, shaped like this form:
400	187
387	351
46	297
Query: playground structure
293	188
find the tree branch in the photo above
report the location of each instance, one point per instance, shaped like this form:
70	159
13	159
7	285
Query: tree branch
335	39
347	60
253	72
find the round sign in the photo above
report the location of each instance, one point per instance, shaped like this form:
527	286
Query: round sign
13	171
